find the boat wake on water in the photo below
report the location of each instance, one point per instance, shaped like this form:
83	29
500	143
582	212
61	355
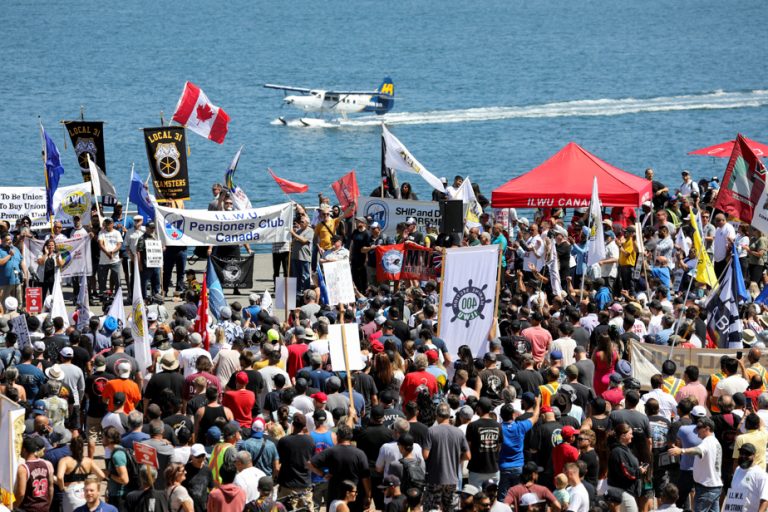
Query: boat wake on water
718	100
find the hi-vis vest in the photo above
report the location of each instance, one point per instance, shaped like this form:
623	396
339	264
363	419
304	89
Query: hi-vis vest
716	377
757	369
217	460
672	385
547	392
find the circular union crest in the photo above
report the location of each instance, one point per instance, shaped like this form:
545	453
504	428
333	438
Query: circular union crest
231	273
468	303
392	261
138	319
174	226
74	203
378	211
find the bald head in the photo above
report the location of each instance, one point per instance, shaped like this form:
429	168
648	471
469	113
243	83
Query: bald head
754	355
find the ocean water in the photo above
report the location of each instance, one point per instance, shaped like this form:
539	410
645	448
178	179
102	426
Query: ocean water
485	89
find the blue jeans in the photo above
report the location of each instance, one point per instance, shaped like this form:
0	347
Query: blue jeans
300	270
707	499
509	477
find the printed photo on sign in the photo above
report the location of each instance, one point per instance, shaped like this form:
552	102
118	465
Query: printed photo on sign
352	339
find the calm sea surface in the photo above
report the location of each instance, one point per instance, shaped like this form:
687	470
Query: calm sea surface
486	89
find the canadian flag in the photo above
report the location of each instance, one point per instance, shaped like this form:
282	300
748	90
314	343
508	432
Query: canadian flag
198	114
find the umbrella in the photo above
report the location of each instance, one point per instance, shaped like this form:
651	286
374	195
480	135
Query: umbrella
724	149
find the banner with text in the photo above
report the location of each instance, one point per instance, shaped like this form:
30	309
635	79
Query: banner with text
167	155
420	263
468	297
18	202
75	252
266	225
234	272
390	212
87	139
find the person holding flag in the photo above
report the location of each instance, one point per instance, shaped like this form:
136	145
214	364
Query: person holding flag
723	318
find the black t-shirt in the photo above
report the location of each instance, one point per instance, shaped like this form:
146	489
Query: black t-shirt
398	504
344	462
584	394
419	431
592	461
484	436
401	330
370	439
359	239
391	415
177	421
294	451
80	357
641	431
379	240
493	383
162	381
198	483
94	386
543	440
515	346
255	381
365	385
529	380
195	403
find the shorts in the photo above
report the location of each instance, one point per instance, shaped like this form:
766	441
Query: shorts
94	429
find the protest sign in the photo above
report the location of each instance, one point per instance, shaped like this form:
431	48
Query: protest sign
338	279
71	201
18	202
145	454
280	293
352	339
19	326
33	300
154	253
390	212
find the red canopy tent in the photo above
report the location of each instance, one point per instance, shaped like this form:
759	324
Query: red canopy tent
565	181
724	149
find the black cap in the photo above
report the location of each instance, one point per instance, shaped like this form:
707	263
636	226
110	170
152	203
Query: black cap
748	449
532	467
377	412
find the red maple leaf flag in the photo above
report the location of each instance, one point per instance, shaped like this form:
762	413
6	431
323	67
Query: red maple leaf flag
289	187
198	114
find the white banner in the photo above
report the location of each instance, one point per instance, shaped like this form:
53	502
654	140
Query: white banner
76	253
280	293
352	338
154	253
71	201
468	295
11	432
390	212
18	202
267	225
338	280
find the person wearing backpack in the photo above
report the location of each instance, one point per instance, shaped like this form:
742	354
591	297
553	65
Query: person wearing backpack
147	498
122	472
414	473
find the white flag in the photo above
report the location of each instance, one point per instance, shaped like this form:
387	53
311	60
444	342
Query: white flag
139	328
596	241
101	185
683	242
398	157
554	269
266	302
239	199
58	307
469	292
83	311
472	209
117	309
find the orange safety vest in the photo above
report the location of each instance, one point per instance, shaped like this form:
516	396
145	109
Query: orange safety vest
757	369
547	392
672	385
716	377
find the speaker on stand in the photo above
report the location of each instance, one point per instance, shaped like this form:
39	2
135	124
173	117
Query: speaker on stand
452	219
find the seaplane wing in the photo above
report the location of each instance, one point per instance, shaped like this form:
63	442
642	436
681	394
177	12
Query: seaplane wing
288	88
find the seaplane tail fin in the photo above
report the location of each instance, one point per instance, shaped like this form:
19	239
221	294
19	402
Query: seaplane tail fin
386	97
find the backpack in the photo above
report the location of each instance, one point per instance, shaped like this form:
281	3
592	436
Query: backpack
131	466
151	500
413	475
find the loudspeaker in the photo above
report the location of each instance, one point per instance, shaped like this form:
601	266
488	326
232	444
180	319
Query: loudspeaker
452	219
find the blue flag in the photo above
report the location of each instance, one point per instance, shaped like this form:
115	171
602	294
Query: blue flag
763	297
139	196
53	171
323	288
216	299
723	306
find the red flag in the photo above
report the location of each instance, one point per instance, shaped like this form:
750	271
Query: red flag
389	262
346	191
201	322
289	187
198	114
743	182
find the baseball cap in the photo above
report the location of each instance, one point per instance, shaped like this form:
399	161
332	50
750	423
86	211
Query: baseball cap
470	490
124	370
529	397
67	352
151	315
616	307
241	378
39	407
257	428
253	297
555	355
320	397
229	430
99	363
319	415
699	411
748	449
410	221
569	431
197	450
532	467
616	378
389	481
39	346
432	356
529	498
375	225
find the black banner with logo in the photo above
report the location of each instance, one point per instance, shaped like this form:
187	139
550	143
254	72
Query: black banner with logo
167	155
234	272
87	139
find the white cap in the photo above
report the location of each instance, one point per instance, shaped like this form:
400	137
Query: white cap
698	411
197	450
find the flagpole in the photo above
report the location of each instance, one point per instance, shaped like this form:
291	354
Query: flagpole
586	257
442	283
498	284
287	276
128	199
682	312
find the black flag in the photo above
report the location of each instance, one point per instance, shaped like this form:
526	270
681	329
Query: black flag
234	272
87	139
167	155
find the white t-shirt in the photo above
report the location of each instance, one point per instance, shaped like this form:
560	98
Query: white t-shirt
188	359
566	346
610	269
749	487
579	499
720	243
319	347
111	240
248	480
731	385
389	453
706	469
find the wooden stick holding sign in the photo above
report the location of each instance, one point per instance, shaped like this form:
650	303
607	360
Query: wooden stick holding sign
347	368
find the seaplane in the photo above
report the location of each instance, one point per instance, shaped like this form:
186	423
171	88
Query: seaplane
341	103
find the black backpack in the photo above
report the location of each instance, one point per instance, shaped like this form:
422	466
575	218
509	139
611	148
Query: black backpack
131	466
413	475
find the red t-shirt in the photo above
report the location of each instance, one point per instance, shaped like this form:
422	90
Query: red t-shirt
295	354
241	403
564	452
415	379
614	395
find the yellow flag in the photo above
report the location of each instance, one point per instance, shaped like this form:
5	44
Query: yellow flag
705	270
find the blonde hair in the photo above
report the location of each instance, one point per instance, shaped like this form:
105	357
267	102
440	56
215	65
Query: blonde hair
561	481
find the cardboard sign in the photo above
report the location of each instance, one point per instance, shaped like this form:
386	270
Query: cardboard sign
19	326
352	339
338	279
154	254
33	298
145	454
280	293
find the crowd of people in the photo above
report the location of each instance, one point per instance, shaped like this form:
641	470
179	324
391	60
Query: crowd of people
251	415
